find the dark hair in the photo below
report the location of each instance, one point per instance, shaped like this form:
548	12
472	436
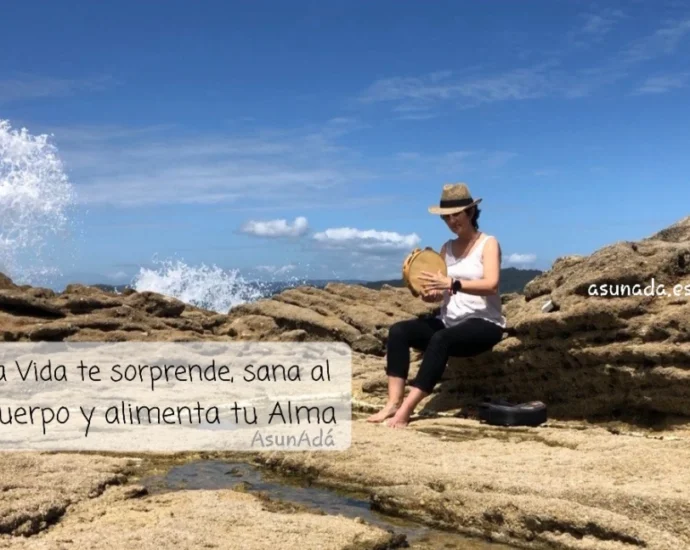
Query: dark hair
475	216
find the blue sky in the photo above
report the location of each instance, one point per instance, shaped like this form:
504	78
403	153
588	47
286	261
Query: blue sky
309	138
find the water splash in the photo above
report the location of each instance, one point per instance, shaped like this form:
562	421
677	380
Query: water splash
35	198
283	277
208	287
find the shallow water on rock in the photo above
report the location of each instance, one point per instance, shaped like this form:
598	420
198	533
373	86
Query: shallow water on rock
212	474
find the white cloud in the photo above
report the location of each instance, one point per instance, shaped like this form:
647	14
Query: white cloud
139	166
521	259
662	84
595	26
34	87
598	24
664	41
420	97
300	169
255	171
276	228
367	241
417	95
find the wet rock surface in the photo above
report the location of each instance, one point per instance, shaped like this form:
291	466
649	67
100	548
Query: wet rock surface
561	486
125	518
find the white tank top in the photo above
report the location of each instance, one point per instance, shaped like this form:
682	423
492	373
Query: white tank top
460	306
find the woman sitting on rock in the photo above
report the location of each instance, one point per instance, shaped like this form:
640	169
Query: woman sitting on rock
470	320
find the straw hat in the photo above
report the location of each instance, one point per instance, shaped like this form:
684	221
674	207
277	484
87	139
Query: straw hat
455	197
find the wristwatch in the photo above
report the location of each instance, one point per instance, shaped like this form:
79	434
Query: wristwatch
455	286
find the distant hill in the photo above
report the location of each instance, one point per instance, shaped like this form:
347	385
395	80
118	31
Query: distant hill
512	280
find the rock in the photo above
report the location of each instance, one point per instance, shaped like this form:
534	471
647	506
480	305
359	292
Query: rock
52	332
37	489
368	343
676	233
92	501
86	313
290	317
549	487
85	299
594	356
349	313
155	304
353	314
190	520
6	283
298	335
208	321
598	354
249	327
21	303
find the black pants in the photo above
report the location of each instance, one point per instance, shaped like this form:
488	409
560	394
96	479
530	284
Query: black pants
430	335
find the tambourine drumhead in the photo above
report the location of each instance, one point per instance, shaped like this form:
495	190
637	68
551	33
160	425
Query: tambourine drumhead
418	261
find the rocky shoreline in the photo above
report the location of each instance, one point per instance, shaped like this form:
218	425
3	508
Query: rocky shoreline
79	501
609	470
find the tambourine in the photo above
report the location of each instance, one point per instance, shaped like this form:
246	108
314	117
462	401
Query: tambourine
421	260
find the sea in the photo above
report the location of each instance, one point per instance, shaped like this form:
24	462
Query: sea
40	230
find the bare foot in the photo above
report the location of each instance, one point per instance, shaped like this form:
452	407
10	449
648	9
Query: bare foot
400	420
389	410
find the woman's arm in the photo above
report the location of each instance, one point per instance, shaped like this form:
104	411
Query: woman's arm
489	283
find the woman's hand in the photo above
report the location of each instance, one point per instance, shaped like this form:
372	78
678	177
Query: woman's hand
431	296
435	281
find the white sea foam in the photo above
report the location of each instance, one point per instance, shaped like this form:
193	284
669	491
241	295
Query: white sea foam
209	287
35	198
204	286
